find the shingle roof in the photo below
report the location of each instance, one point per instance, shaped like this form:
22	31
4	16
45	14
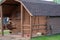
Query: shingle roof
39	1
42	8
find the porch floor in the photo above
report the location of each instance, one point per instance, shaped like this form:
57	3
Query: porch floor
13	37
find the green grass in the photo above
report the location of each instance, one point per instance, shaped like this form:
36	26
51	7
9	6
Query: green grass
5	32
51	37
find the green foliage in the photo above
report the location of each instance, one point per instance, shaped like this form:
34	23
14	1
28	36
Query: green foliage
0	0
57	1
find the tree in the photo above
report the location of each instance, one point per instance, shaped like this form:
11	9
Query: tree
57	1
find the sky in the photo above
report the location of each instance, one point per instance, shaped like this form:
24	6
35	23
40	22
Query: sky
45	0
48	0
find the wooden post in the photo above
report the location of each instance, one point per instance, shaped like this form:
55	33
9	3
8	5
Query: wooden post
30	27
46	28
22	20
1	20
38	23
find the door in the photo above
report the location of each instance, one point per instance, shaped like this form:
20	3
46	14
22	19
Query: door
54	25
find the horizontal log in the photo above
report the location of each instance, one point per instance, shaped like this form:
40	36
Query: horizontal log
38	29
26	25
39	25
25	29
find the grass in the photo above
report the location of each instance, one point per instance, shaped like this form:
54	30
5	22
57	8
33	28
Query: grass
6	32
51	37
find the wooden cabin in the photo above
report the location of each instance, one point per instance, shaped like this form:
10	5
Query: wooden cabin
32	18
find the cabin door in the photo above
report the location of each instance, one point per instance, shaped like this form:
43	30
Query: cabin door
54	25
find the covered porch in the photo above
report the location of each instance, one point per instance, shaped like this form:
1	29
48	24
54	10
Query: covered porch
11	12
21	20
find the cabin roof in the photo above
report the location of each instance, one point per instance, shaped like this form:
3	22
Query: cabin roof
42	8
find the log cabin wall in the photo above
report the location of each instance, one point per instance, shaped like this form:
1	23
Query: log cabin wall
26	23
39	24
16	19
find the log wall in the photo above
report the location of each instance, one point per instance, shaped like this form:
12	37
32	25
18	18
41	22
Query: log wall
16	20
26	23
39	24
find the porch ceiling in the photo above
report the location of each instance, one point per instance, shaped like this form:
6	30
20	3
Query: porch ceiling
8	7
11	2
